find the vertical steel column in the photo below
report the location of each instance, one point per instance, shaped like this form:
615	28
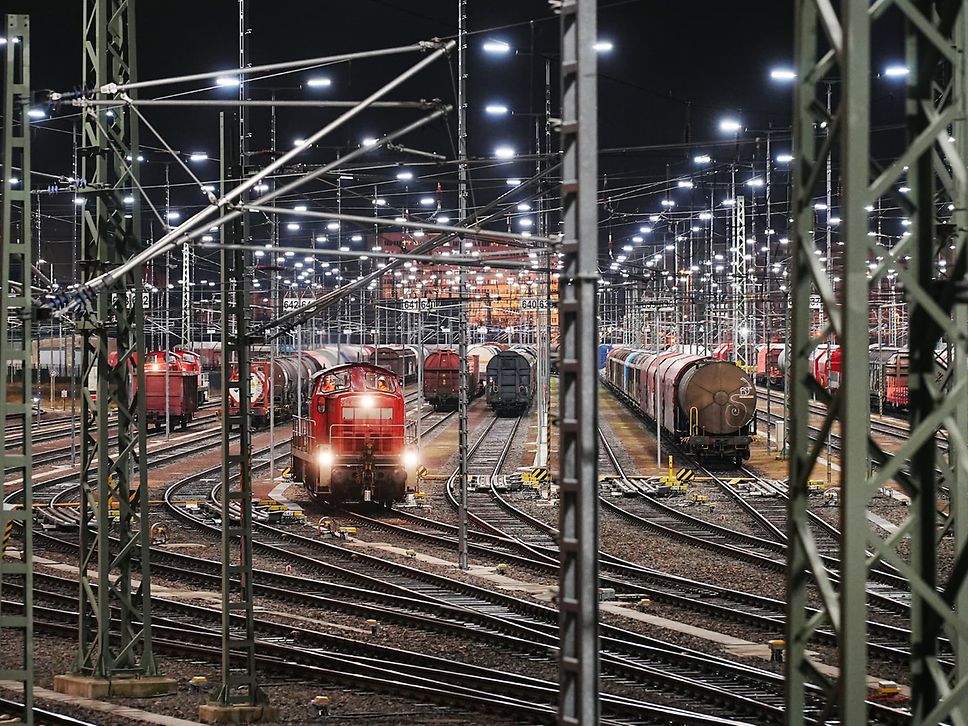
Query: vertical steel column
110	234
462	195
16	629
578	385
738	268
239	685
957	360
186	297
931	262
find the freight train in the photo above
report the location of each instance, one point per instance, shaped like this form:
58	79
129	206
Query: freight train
441	378
705	405
511	380
170	395
887	372
353	444
403	360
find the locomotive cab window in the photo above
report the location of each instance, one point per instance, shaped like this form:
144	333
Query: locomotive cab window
380	382
334	382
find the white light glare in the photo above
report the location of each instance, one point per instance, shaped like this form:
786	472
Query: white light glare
755	182
405	175
730	126
427	202
198	156
784	158
685	184
604	46
514	182
783	74
524	207
319	82
496	109
369	141
896	71
36	113
504	152
227	81
496	46
702	159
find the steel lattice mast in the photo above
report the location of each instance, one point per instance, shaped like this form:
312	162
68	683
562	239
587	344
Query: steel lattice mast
239	686
578	380
937	295
16	313
110	235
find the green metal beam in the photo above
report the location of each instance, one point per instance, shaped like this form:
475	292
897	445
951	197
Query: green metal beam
932	262
113	473
16	313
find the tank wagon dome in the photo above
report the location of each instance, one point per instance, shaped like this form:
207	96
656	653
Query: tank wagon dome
722	395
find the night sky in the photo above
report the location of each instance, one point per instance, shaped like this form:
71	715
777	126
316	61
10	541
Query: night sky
675	71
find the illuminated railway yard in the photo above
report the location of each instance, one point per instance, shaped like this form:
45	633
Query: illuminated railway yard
484	363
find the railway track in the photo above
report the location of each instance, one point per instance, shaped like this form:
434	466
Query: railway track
353	663
629	657
642	509
53	456
888	592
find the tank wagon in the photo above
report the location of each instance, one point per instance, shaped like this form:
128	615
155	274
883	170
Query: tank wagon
705	405
511	380
403	360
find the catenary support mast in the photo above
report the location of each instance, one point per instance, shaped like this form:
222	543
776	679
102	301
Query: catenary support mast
578	385
239	686
462	199
16	627
113	351
931	263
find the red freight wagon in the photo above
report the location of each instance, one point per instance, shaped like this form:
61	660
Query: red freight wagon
441	378
179	400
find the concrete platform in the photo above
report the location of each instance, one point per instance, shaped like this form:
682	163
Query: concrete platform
217	713
114	710
100	688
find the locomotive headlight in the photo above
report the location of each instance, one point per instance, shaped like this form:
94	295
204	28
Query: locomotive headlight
367	402
324	458
410	458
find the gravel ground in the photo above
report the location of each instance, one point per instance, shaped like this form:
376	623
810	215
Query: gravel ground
349	705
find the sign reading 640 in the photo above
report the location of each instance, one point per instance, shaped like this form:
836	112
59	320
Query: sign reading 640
534	303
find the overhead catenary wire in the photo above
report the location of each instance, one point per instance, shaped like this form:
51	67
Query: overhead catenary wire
189	227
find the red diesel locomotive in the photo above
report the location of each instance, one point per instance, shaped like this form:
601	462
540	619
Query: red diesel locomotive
354	443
